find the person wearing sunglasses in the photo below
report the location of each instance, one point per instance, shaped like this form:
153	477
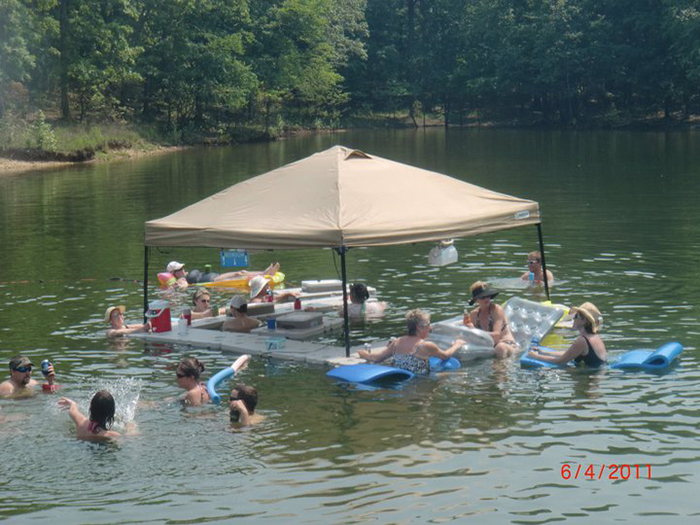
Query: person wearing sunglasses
534	272
118	328
242	402
411	351
588	349
491	317
187	373
201	299
21	383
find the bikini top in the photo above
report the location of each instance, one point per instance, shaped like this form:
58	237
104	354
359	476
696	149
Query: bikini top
412	362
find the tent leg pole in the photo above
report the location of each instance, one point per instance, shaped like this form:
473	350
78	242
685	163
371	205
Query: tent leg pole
145	281
544	263
346	321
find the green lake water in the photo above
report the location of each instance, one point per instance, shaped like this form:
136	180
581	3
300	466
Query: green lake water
621	225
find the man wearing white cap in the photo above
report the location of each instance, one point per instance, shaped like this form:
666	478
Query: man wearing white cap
115	317
177	269
240	322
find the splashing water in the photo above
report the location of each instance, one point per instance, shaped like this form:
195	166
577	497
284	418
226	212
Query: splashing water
126	392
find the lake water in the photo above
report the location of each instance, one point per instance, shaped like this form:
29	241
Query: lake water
622	229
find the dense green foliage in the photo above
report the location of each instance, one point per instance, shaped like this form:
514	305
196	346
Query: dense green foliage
227	65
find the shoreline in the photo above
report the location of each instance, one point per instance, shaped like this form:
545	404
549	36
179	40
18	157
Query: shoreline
11	166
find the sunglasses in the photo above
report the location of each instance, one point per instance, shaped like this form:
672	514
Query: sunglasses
23	369
532	262
203	300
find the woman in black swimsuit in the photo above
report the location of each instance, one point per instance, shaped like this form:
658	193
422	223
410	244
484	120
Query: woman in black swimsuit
491	317
588	348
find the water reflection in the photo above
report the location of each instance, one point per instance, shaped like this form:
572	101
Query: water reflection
487	441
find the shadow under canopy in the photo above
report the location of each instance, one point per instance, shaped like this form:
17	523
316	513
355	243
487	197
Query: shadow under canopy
340	198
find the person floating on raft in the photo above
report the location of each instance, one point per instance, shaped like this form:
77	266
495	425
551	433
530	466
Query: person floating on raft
412	352
177	278
588	348
491	317
535	272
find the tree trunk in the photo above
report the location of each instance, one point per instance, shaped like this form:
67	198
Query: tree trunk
63	44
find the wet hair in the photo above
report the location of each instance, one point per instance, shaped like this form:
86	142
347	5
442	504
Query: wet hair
102	410
191	367
248	395
415	319
199	293
359	293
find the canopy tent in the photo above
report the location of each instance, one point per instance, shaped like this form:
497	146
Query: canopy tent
341	198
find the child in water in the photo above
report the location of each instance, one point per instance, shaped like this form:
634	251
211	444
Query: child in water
97	427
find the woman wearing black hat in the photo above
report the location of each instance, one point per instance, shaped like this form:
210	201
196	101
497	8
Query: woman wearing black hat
491	317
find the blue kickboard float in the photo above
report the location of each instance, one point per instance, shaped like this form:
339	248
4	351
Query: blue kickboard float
530	362
372	373
647	360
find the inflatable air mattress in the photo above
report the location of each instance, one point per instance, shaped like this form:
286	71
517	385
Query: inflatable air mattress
649	360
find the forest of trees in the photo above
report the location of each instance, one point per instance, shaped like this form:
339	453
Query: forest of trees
269	64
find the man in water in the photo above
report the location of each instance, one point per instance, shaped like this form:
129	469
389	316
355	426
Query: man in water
242	403
21	383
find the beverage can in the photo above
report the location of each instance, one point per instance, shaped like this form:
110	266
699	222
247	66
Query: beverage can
188	315
297	304
45	364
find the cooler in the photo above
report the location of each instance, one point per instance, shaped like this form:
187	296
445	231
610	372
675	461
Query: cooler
159	315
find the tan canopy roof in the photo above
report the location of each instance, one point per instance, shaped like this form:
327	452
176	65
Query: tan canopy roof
341	197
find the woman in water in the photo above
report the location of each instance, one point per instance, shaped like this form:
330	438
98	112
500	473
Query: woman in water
188	371
97	426
360	307
412	352
588	348
117	327
202	305
491	317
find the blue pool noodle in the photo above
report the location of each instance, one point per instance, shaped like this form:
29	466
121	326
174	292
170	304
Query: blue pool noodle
215	380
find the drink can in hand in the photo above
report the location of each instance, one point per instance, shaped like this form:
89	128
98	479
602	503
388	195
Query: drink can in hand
45	364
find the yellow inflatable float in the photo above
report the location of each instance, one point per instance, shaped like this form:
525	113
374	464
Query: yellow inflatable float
242	282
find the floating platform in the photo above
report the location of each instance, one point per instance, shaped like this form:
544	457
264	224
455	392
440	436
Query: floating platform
526	319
